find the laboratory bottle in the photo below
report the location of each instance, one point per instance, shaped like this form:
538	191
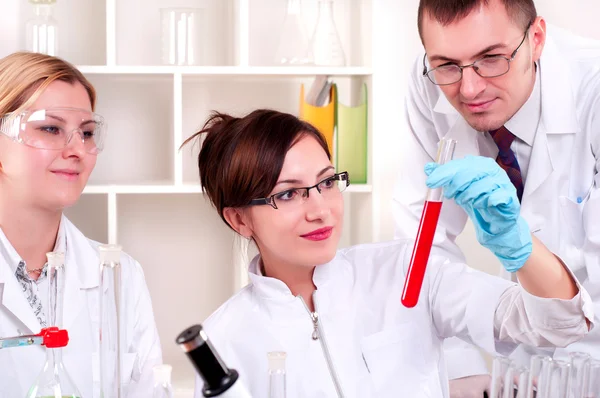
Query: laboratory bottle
54	380
325	42
111	322
219	380
42	30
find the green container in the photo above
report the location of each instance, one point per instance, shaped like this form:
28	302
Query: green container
351	143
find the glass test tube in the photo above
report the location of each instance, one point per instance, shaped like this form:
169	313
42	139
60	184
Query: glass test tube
426	232
579	373
277	385
559	379
539	374
593	384
111	322
521	377
502	378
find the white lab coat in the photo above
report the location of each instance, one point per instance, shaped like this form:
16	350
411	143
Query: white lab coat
561	200
20	366
375	346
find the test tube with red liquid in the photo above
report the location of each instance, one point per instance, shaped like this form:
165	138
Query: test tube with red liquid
426	232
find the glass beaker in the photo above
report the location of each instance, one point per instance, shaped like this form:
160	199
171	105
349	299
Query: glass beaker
277	385
111	321
181	35
325	42
54	380
162	381
293	47
42	30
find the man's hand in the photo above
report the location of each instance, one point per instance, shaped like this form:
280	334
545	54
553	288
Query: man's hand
470	386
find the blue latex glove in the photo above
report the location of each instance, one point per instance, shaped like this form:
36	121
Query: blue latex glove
484	191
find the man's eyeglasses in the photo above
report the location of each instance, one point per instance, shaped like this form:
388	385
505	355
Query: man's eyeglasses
329	188
54	128
487	66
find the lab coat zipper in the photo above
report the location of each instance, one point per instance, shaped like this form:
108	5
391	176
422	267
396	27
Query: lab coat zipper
318	334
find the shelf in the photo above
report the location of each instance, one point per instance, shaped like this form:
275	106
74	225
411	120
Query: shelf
227	70
177	189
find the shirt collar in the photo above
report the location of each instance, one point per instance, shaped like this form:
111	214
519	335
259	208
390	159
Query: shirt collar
524	123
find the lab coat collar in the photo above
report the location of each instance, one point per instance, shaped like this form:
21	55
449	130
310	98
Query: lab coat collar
559	113
274	288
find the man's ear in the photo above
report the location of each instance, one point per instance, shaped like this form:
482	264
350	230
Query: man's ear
238	220
538	37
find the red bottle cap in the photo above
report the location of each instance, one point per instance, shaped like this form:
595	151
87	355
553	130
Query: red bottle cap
55	337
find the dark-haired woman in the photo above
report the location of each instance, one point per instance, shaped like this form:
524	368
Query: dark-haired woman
337	313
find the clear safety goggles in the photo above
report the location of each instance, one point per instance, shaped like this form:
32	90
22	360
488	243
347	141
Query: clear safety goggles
54	128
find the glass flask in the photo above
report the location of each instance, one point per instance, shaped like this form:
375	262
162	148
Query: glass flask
325	42
293	47
162	381
54	380
277	374
42	30
111	321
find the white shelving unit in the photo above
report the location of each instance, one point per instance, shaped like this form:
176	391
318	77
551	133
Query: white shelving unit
144	193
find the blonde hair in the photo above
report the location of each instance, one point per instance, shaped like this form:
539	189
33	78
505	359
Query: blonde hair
25	75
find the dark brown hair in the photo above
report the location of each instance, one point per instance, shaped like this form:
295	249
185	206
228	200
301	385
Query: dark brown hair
522	12
241	158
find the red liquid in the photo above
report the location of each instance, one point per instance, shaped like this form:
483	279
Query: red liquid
420	254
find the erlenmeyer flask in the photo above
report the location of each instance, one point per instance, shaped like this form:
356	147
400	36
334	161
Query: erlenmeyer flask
54	380
326	44
42	30
293	48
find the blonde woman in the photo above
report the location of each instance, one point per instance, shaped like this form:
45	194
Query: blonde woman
50	139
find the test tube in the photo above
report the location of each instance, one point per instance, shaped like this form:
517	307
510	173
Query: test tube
593	383
502	378
426	232
559	380
277	387
539	375
111	322
579	373
521	377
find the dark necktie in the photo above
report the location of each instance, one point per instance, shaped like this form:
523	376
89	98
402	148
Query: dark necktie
507	159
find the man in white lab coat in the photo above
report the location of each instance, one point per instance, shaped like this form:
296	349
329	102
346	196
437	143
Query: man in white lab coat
505	85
